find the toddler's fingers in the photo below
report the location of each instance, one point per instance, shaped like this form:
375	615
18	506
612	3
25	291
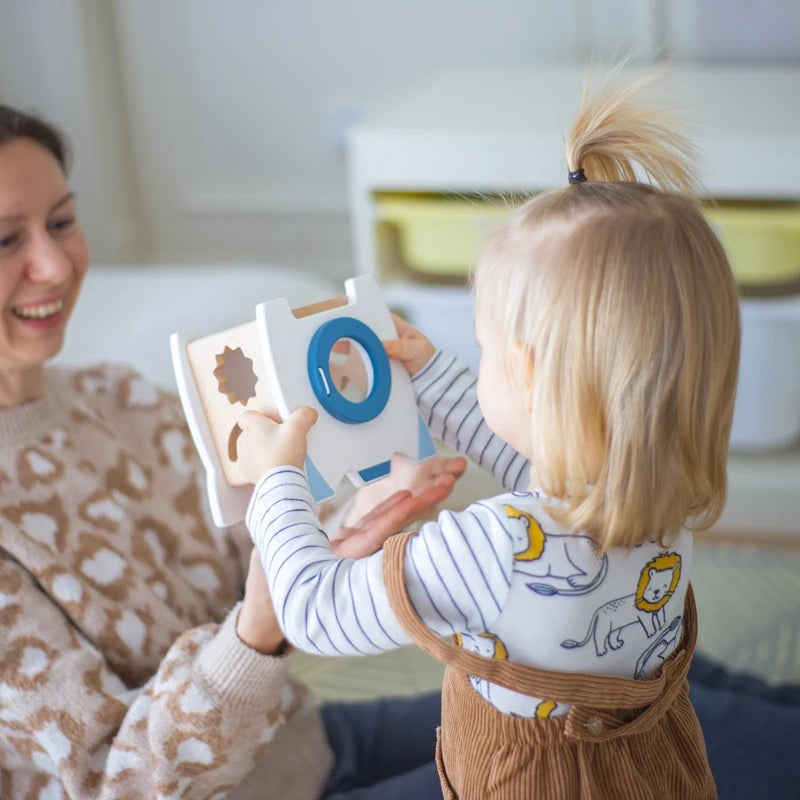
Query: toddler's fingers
401	324
302	419
250	419
393	348
404	349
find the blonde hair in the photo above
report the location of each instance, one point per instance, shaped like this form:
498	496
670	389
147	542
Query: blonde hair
620	297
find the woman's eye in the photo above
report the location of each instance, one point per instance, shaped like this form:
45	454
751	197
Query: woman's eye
8	241
63	224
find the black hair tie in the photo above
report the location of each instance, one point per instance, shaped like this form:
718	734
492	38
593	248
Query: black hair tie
576	176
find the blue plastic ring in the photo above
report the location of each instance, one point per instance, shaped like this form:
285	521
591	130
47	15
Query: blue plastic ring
320	376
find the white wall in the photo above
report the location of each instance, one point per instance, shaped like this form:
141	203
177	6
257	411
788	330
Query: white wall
209	129
58	59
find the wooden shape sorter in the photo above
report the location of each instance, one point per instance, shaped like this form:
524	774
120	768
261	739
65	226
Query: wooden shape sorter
328	356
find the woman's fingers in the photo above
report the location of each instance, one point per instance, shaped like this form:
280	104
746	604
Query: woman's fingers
384	507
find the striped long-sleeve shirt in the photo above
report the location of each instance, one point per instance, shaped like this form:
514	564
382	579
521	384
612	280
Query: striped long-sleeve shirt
447	398
501	573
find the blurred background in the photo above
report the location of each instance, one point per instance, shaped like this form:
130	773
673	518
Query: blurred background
208	130
211	167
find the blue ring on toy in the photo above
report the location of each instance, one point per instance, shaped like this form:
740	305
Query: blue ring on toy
320	376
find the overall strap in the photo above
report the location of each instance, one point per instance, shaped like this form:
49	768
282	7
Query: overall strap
599	691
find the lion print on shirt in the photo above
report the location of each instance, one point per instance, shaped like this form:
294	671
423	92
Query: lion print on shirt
657	582
489	645
560	562
484	644
654	656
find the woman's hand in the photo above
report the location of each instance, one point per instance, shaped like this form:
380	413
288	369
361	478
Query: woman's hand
257	625
412	348
429	482
265	443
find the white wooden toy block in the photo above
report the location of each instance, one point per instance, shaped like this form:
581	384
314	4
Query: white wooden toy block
219	377
328	356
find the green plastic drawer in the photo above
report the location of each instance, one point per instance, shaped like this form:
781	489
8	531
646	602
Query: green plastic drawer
440	235
762	243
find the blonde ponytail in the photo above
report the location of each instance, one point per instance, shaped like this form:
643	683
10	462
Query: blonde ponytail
616	130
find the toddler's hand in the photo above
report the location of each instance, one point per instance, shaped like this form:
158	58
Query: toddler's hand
265	444
413	349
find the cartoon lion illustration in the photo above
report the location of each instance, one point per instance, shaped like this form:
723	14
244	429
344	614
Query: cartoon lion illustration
545	709
657	583
487	645
484	644
560	562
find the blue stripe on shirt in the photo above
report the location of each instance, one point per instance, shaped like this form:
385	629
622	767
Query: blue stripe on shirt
436	380
444	584
491	545
410	559
453	408
474	434
335	610
465	541
444	393
355	609
428	366
375	610
274	538
457	433
464	581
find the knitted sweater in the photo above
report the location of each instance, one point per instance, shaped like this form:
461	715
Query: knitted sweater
121	674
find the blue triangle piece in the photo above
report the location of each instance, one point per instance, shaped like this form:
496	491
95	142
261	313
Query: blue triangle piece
425	445
318	485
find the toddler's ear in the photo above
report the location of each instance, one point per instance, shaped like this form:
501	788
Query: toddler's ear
524	364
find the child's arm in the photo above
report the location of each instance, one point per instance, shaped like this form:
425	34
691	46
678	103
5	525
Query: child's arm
446	394
457	570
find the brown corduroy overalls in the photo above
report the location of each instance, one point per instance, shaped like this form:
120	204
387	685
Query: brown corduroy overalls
622	738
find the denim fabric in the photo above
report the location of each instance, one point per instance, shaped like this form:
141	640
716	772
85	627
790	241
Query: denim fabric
384	748
751	730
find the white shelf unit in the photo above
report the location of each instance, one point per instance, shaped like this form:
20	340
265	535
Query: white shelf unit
501	130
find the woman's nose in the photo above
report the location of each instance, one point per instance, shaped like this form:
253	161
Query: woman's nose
47	261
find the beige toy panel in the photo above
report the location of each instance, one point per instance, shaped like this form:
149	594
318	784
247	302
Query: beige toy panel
229	373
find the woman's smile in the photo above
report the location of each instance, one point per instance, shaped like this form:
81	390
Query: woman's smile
44	314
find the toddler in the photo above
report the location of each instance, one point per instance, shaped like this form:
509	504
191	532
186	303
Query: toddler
608	320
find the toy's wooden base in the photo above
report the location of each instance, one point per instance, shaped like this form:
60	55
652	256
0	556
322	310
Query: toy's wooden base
229	374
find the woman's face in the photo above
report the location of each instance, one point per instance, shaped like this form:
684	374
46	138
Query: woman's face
43	255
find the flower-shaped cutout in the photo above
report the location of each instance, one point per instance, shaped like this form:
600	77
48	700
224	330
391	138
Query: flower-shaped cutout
235	375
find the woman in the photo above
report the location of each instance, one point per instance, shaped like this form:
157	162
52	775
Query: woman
126	666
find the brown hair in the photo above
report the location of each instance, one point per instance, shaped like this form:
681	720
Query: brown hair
623	302
15	124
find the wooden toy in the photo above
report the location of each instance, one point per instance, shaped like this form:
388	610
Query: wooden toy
328	356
